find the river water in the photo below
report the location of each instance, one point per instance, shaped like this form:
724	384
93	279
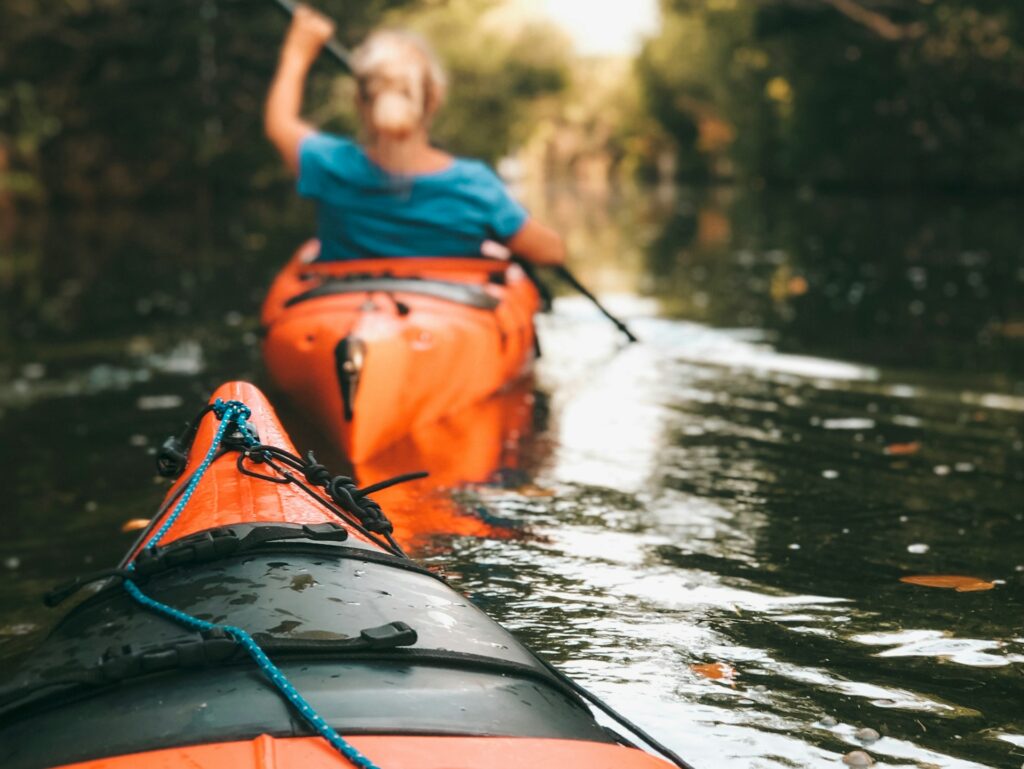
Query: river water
707	528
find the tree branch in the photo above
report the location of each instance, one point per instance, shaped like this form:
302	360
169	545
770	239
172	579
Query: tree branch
878	23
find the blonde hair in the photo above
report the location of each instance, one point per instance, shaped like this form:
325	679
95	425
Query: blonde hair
401	81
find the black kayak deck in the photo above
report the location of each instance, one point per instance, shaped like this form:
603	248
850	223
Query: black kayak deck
113	678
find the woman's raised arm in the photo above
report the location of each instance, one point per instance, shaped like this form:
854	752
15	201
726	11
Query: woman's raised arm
282	114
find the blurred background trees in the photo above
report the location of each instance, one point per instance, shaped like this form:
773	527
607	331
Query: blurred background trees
105	100
844	92
127	99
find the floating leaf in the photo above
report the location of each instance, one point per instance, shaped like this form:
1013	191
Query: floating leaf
949	581
717	671
902	449
797	285
134	524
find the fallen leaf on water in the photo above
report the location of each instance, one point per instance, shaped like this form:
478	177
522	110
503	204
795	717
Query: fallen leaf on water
1011	330
717	671
950	581
797	285
902	449
134	524
785	284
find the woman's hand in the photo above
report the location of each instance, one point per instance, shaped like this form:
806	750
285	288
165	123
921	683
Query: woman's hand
308	33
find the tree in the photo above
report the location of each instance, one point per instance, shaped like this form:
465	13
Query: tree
121	99
846	91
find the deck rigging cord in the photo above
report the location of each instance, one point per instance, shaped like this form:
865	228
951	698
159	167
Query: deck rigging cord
350	503
234	414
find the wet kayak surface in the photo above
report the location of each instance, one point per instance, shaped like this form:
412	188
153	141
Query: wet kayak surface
786	526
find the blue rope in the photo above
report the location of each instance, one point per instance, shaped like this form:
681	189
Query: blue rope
228	413
235	413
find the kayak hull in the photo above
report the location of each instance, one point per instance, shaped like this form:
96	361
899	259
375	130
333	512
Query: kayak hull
375	348
394	659
266	752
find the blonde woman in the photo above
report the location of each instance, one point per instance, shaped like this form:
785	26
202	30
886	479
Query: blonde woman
394	194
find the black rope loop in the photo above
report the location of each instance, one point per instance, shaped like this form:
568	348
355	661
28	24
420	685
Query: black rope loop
282	467
348	496
316	473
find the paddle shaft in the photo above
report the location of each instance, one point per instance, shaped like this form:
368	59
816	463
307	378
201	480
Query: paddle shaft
344	58
338	52
564	273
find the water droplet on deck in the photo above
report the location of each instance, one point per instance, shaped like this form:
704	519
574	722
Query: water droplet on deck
302	581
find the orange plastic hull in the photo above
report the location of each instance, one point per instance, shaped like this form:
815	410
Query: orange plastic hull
225	496
389	752
420	358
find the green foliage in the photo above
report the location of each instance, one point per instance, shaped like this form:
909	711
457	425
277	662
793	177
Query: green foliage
128	99
846	92
131	99
499	66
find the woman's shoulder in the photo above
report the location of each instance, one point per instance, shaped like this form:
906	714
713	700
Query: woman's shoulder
330	149
477	173
473	166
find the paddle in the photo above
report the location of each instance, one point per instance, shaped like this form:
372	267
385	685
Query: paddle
344	58
339	52
563	272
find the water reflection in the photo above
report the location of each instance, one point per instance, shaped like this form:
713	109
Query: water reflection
482	445
926	282
746	486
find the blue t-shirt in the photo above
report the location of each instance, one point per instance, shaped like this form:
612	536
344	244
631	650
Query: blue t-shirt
365	211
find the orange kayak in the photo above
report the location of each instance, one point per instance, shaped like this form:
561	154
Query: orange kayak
373	348
364	658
